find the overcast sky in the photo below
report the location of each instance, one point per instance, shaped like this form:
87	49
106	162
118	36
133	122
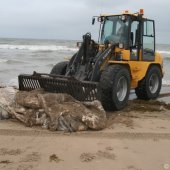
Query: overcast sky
69	19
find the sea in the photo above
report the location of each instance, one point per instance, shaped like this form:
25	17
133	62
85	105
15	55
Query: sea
23	56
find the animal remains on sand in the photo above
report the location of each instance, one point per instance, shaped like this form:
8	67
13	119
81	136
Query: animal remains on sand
52	111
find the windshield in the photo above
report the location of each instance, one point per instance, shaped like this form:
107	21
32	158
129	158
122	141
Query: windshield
115	30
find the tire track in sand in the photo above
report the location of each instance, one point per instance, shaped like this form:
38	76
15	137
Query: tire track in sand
116	135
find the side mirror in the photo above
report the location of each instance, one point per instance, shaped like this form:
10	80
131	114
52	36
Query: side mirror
101	19
93	21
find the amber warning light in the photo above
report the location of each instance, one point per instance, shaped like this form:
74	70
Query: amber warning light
141	11
126	12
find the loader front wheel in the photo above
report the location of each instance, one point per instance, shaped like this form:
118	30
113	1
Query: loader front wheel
114	87
59	68
150	86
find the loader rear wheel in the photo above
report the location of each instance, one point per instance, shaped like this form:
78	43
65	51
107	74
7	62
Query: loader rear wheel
114	87
150	86
59	68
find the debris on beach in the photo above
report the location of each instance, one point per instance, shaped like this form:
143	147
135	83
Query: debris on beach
7	95
61	112
54	158
54	111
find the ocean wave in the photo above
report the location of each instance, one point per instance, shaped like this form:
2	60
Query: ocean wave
49	65
37	47
12	61
16	62
166	82
3	61
13	82
164	52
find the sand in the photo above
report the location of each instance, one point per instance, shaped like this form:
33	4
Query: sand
137	138
137	142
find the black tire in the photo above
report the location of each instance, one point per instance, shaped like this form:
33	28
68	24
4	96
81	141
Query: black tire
59	68
146	89
108	87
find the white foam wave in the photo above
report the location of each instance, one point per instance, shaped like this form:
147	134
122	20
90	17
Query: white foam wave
3	61
37	47
12	61
164	52
166	82
13	82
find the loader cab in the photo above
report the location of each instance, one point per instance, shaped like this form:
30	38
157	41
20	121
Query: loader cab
115	29
133	32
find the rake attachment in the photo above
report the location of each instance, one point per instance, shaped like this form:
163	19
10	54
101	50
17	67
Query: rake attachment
80	90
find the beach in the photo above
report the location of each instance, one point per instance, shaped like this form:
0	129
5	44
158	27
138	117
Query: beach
131	143
136	138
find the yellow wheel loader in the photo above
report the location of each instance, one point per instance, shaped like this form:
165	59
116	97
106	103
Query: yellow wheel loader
123	59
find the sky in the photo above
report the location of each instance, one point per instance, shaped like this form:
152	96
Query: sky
70	19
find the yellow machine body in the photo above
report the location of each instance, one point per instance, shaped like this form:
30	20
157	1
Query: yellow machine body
138	69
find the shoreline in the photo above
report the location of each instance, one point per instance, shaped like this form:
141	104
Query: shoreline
164	93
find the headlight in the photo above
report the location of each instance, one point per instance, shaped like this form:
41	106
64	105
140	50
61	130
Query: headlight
121	45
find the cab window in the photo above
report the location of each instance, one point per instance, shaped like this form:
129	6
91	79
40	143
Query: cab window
148	40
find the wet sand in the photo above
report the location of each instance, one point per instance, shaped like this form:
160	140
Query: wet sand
165	91
136	138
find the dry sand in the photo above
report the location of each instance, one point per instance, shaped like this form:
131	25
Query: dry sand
137	138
